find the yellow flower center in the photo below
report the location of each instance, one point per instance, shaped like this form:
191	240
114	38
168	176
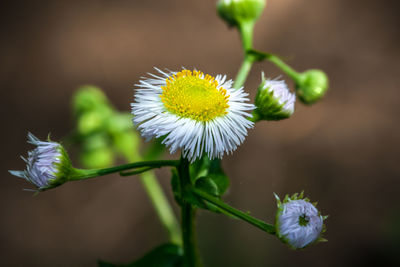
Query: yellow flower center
191	94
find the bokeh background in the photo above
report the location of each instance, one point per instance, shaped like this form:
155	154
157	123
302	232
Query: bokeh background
343	151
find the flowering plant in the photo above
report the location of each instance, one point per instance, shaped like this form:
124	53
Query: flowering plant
202	116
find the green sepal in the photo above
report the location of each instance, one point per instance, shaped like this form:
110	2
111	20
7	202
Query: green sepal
167	255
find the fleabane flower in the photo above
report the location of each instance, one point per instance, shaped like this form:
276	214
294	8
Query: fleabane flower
274	101
298	222
193	111
47	166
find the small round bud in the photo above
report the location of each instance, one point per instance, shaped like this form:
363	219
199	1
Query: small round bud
101	157
47	166
97	152
90	122
298	222
88	98
274	101
311	86
236	11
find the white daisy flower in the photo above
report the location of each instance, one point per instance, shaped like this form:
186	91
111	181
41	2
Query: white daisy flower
195	112
47	165
298	222
274	100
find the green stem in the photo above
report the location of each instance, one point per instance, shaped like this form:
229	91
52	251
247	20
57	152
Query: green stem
162	206
81	174
243	71
289	71
269	228
155	192
135	172
188	213
246	35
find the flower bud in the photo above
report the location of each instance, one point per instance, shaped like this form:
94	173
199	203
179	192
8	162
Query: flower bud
274	101
311	85
96	151
47	166
89	98
298	222
236	11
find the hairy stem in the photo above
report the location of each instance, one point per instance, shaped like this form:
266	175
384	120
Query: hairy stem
289	71
269	228
81	174
162	206
246	36
188	213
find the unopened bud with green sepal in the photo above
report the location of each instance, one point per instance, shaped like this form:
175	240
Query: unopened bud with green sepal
274	101
47	166
235	12
298	222
311	85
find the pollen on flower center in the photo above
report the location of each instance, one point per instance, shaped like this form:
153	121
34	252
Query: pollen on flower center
191	94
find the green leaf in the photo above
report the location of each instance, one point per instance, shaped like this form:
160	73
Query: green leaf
199	168
167	255
207	185
212	169
217	174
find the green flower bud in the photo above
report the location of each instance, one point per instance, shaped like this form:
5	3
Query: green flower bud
88	98
90	122
298	222
101	157
274	101
97	152
235	12
311	85
127	144
120	122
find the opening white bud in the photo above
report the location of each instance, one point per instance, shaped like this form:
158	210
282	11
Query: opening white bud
298	222
47	166
274	101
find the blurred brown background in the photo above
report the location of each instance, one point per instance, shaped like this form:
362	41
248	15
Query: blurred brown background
343	151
